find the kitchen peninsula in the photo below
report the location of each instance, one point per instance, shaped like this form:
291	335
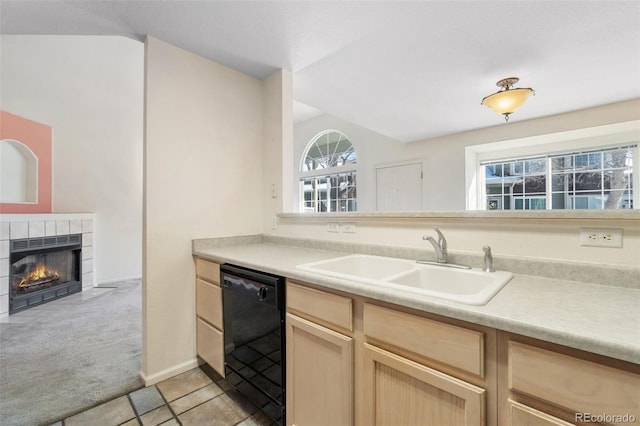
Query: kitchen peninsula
537	331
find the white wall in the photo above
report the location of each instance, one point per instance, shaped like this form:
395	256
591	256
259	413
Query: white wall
203	178
549	239
373	149
89	89
443	158
278	145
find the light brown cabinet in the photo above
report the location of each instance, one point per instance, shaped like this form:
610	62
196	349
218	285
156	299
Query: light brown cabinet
354	362
319	375
546	384
417	370
401	391
319	358
209	336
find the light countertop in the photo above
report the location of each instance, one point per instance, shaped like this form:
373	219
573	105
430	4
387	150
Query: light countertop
596	318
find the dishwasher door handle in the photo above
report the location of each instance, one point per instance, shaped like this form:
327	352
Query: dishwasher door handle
262	294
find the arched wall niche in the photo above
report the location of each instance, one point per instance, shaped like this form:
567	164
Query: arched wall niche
25	165
18	173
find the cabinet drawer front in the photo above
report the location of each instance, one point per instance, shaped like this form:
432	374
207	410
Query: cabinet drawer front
209	271
449	344
209	302
210	345
573	383
520	415
329	309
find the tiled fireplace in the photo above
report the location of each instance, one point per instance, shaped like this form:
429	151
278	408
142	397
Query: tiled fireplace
43	257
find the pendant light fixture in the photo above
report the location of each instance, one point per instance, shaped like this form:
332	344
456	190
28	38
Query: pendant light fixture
506	100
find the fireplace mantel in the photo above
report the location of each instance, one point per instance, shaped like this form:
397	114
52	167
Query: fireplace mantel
19	226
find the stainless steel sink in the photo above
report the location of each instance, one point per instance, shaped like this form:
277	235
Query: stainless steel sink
469	286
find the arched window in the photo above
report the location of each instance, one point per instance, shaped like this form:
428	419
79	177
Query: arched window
328	174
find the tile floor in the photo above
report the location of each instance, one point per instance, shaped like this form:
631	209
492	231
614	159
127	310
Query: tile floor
198	397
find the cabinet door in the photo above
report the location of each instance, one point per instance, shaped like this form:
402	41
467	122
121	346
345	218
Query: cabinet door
319	375
399	391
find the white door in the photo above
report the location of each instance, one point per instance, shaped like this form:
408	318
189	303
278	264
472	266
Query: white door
399	187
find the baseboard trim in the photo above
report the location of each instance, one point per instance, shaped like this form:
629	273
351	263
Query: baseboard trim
168	372
115	280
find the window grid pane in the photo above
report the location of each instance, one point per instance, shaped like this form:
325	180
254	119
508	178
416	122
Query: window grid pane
330	149
331	193
598	179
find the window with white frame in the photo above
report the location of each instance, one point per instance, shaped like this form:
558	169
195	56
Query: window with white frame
600	178
328	174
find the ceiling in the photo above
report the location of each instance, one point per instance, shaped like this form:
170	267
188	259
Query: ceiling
410	70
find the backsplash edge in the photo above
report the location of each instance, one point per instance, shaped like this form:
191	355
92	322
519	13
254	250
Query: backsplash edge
611	275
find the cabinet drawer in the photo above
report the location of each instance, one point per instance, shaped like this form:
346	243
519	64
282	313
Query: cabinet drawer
209	302
209	271
329	309
210	345
573	383
448	344
520	414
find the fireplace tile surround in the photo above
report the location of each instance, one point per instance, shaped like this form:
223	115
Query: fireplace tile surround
19	226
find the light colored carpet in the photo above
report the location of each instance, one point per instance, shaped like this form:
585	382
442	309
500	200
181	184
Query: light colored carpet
68	355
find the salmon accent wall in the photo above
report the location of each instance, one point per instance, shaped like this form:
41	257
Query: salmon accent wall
37	137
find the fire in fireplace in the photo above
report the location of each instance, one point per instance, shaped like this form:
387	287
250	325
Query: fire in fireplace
41	276
44	269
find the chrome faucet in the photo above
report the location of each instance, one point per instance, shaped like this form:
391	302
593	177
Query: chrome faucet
440	246
488	260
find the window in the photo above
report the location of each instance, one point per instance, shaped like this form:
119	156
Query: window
590	179
328	175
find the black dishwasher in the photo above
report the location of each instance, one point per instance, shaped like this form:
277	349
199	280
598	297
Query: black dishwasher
254	337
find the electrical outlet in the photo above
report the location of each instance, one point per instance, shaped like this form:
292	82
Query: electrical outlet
333	227
600	237
348	227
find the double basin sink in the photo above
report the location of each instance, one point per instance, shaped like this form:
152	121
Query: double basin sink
469	286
